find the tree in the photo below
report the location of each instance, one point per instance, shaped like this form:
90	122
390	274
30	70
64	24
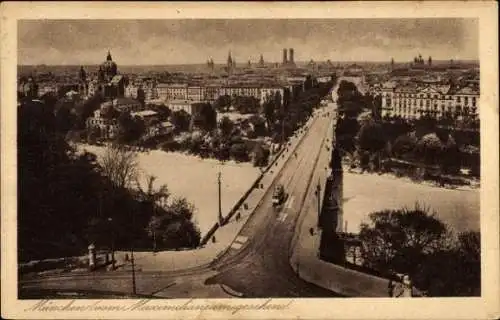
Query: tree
428	149
93	134
308	83
85	109
244	104
180	119
120	166
464	258
399	240
205	116
260	156
173	228
226	126
239	152
371	137
270	112
155	198
222	103
129	129
141	96
259	125
182	208
404	146
65	120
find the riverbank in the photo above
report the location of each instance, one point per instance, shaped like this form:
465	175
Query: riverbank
195	179
365	193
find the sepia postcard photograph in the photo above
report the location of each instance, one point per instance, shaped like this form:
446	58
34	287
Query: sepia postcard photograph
250	160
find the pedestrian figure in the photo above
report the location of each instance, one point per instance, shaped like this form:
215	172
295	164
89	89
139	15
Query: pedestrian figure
311	231
407	286
214	240
390	287
238	216
126	257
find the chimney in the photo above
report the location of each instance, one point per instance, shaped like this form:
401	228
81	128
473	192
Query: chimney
291	55
284	56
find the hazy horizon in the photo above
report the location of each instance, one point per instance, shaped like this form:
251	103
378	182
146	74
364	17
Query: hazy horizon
193	41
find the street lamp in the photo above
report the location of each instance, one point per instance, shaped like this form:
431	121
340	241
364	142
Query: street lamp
110	220
318	194
220	201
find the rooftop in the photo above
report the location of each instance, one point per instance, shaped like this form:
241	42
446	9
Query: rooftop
145	113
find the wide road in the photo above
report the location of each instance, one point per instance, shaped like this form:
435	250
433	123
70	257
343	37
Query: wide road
261	267
257	266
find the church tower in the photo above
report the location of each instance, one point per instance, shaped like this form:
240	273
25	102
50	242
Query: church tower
261	61
230	63
82	82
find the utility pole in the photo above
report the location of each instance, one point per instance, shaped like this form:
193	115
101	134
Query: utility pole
112	242
134	290
220	203
283	130
318	192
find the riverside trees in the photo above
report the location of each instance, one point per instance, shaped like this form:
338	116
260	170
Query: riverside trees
415	242
66	197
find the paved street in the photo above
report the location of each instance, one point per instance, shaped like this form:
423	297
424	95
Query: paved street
255	265
260	266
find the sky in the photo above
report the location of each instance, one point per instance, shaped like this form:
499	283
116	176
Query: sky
160	42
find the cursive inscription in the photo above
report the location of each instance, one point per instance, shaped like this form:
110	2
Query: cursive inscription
148	305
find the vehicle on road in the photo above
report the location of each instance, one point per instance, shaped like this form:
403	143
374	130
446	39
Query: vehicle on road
279	195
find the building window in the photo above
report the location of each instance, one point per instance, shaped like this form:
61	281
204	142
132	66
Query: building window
458	99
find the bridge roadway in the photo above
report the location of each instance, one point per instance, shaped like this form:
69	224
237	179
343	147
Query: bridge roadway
256	265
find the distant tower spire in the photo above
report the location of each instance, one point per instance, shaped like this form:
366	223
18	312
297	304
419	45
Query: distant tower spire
108	58
83	74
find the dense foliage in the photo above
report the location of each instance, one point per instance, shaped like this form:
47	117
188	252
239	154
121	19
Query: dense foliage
414	242
65	201
422	143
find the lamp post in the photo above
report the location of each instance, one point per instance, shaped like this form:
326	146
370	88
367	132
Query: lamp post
132	260
134	290
110	220
318	194
220	201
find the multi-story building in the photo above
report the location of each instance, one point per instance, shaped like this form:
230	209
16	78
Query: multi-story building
248	90
211	93
148	116
173	91
44	88
196	93
411	101
268	92
185	92
126	105
108	127
177	105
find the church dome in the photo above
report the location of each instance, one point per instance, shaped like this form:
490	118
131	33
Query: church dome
109	66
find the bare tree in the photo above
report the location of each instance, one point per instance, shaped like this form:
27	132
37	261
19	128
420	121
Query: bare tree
156	197
120	166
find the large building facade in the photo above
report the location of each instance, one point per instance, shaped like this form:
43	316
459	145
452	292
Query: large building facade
208	93
438	101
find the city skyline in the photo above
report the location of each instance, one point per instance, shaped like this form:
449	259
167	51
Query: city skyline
170	42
